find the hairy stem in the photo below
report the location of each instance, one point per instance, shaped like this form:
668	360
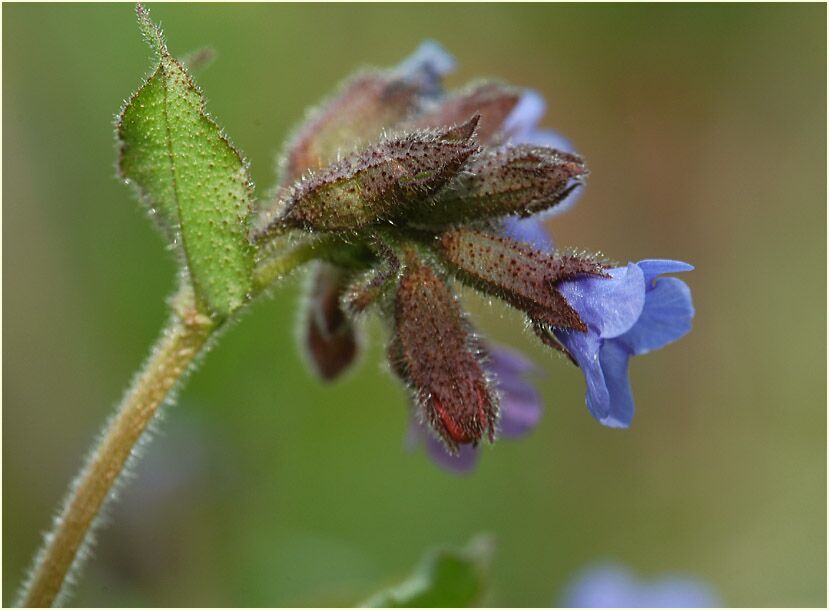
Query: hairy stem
185	337
272	268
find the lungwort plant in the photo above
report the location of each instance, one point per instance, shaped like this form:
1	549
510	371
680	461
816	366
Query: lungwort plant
392	191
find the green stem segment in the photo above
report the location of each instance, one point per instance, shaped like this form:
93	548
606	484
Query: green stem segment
186	337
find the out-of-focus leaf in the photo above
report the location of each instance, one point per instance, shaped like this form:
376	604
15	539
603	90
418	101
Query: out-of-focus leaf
446	578
194	181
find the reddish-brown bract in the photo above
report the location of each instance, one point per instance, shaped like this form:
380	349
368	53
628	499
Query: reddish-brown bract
518	273
434	351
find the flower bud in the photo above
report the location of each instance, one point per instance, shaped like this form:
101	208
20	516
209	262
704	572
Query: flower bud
373	184
519	180
492	100
435	352
329	336
365	105
518	273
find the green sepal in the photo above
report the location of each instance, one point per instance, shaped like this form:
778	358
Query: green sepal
193	179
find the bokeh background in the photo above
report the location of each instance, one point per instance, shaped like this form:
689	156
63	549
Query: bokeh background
704	127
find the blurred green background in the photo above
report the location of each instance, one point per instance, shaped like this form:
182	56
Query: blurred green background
704	127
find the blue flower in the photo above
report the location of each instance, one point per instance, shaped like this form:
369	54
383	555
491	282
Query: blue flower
520	410
633	313
613	586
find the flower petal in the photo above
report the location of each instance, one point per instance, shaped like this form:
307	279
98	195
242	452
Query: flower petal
609	585
524	118
609	306
666	317
520	411
463	462
426	67
678	592
659	266
602	586
529	230
547	137
507	361
613	358
584	347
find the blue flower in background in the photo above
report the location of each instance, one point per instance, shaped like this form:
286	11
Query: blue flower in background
520	409
633	313
614	586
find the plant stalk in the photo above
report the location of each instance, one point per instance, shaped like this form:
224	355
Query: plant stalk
184	339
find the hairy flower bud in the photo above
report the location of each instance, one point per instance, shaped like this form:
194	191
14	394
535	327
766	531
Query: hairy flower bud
519	180
492	100
518	273
375	183
365	106
435	352
328	334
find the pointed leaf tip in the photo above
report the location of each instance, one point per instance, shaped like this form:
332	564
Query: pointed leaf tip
150	31
195	183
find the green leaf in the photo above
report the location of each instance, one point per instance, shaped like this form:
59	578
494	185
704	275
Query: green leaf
194	181
446	578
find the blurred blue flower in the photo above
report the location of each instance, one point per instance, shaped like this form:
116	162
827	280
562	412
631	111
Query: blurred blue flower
633	313
426	67
520	409
614	586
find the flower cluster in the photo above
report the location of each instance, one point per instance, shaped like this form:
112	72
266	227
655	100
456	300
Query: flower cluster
420	188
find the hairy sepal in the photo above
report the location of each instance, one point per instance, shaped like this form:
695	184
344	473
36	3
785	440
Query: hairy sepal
373	184
435	352
519	274
194	181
